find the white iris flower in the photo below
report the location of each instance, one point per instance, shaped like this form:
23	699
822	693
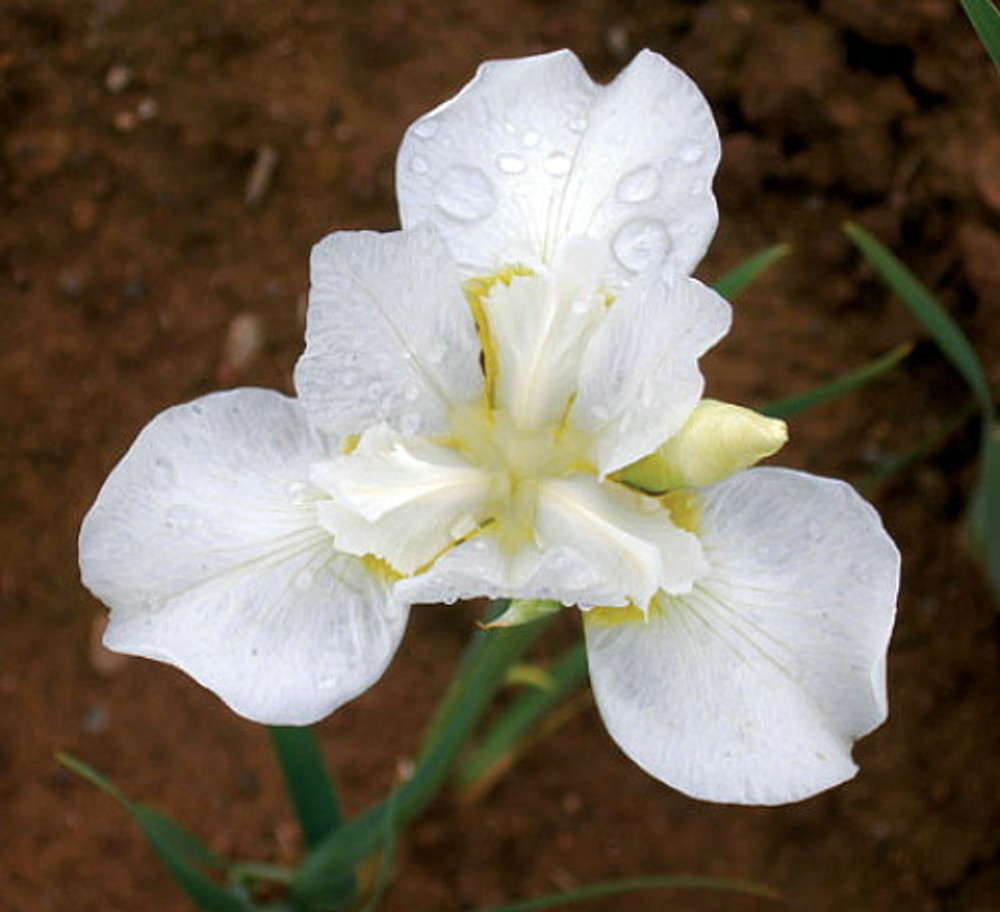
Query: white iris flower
503	399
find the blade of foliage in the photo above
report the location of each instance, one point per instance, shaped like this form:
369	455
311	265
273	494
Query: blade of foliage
182	853
741	276
793	405
921	303
385	863
480	674
985	511
309	786
633	885
927	447
985	20
506	737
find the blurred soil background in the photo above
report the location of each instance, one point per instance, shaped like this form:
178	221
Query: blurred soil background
165	167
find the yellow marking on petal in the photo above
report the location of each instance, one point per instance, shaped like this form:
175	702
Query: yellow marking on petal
476	291
684	507
380	569
614	615
349	443
717	440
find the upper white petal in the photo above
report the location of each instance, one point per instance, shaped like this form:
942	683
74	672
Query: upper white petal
752	688
532	151
204	542
389	336
639	377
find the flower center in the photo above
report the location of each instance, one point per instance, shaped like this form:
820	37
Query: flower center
516	460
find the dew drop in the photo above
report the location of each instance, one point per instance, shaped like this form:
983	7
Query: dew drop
164	473
511	164
418	165
558	164
303	581
692	154
326	684
577	125
640	242
435	352
183	519
530	139
465	194
639	185
815	530
411	392
409	424
425	128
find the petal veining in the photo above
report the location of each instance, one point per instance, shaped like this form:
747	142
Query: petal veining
389	336
751	688
205	544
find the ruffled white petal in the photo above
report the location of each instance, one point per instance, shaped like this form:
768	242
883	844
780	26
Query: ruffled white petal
627	539
481	568
205	544
639	377
401	499
389	336
751	689
532	151
591	544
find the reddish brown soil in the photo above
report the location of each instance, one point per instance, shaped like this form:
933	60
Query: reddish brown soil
127	250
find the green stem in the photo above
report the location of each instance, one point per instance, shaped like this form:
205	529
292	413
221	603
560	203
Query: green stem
481	673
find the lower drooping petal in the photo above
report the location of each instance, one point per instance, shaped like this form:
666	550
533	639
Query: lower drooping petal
751	689
205	544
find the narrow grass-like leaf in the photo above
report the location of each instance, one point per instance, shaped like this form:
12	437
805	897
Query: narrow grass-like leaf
739	277
481	672
508	734
385	863
633	885
984	515
309	786
182	853
921	303
793	405
985	20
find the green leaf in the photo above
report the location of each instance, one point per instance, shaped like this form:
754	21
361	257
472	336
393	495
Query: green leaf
984	515
921	303
738	278
793	405
182	853
314	799
986	21
508	735
309	786
481	672
633	885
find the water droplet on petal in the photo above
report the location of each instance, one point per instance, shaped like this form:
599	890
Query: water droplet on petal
639	185
326	684
577	125
530	139
418	165
411	391
511	164
164	472
691	154
409	424
303	581
426	127
436	352
558	164
640	242
465	193
815	530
